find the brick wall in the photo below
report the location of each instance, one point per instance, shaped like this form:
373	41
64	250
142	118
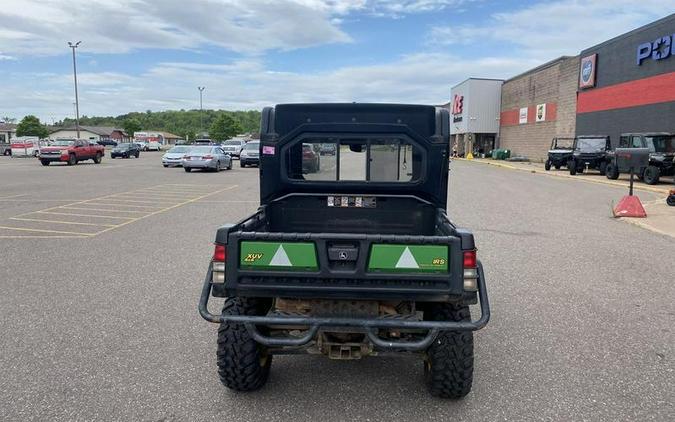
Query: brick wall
554	84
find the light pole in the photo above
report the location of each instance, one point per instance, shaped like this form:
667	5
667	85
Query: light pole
201	110
77	101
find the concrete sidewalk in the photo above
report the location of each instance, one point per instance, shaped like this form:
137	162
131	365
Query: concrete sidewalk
663	187
660	217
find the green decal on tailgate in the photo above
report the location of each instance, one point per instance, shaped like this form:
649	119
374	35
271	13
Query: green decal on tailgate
278	256
408	258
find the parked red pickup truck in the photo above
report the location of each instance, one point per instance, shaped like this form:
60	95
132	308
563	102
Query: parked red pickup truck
71	151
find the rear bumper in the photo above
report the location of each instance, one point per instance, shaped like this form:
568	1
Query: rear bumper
370	325
199	164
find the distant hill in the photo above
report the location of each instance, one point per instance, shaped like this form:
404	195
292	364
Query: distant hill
181	122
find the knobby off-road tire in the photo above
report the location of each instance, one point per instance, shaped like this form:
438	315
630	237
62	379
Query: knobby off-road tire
448	364
603	168
651	175
243	364
547	165
612	171
572	165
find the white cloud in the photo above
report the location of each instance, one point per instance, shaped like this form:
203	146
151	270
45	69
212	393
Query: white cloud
42	27
546	30
5	57
249	84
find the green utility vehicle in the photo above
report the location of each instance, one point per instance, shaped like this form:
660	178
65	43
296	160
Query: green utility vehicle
352	258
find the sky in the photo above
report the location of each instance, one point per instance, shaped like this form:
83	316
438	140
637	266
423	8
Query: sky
139	55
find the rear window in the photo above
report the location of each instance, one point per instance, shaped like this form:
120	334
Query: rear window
355	159
252	146
200	150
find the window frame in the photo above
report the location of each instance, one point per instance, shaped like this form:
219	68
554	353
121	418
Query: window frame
368	137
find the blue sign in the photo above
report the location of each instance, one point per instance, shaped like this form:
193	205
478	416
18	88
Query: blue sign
659	49
586	71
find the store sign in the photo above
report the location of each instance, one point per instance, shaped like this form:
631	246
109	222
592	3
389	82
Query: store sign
457	108
587	71
659	49
522	116
541	113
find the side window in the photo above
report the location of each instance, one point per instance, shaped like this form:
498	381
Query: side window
636	142
623	142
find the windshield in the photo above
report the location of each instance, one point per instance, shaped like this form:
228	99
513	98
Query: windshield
563	143
252	146
591	144
178	150
123	146
63	142
200	150
232	143
661	143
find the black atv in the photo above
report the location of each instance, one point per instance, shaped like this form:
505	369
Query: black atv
589	152
661	155
560	153
356	259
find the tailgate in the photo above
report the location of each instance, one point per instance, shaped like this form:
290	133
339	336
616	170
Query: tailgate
345	266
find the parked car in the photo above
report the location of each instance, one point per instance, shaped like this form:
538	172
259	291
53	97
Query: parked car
206	157
71	151
203	141
234	146
327	149
589	152
174	156
107	142
661	147
250	154
153	146
126	150
560	153
310	159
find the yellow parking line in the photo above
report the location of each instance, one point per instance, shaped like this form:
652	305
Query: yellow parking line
65	207
83	215
167	209
121	199
42	237
60	222
46	231
120	205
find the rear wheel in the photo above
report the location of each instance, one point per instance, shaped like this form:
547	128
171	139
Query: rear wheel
612	171
187	169
243	364
448	363
72	160
44	162
651	175
572	165
547	165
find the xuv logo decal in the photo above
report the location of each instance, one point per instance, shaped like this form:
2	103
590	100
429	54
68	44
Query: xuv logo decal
408	258
296	256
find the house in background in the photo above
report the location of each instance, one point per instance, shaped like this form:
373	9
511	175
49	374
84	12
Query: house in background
92	133
7	132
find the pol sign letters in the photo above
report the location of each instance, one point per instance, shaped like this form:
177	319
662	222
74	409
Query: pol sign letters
659	49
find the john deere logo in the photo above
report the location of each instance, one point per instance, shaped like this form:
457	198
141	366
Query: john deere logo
587	71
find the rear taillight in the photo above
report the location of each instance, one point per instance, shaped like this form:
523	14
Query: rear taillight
218	264
208	157
470	272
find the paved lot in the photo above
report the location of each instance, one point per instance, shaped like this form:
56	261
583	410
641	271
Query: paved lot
99	319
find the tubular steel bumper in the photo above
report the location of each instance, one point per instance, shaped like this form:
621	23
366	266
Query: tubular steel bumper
370	324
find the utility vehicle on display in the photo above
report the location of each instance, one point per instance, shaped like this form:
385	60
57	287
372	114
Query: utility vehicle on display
661	155
589	152
355	259
560	153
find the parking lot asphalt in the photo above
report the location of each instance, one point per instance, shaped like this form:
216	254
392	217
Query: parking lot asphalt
99	320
